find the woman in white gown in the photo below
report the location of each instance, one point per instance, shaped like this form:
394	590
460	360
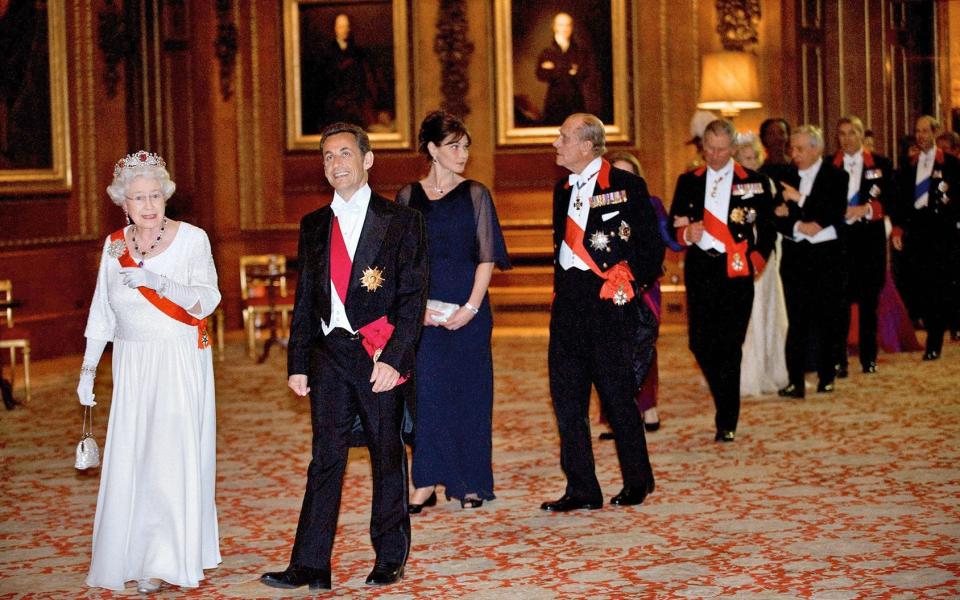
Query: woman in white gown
156	520
763	369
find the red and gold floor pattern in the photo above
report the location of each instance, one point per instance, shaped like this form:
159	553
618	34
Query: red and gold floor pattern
849	495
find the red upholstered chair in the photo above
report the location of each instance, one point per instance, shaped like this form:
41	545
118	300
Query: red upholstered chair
14	338
254	293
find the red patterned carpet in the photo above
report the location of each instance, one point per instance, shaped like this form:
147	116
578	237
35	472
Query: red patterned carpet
849	495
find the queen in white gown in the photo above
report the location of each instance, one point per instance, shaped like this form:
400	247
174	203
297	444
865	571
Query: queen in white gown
156	520
763	369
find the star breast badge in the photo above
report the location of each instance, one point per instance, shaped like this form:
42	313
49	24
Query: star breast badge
624	231
117	248
599	241
372	279
738	216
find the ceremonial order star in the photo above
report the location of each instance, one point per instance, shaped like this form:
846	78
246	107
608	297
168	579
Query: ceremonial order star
599	241
371	279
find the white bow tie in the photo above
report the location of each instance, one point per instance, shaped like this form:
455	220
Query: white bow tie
574	179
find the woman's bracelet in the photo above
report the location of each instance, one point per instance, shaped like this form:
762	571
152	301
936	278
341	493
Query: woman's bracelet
88	370
471	307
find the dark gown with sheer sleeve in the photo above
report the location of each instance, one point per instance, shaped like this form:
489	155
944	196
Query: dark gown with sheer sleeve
454	369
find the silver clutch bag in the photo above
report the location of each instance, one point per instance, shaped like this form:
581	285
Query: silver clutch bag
88	451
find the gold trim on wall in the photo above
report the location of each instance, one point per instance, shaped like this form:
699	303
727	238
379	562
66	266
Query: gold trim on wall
58	177
507	131
296	139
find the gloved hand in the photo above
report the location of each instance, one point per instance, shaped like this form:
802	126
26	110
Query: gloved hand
85	389
91	358
134	277
182	295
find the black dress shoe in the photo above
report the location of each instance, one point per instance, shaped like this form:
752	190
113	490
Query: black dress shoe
471	502
725	435
842	371
294	577
825	387
566	503
607	435
791	391
931	355
414	509
651	426
385	573
632	496
870	367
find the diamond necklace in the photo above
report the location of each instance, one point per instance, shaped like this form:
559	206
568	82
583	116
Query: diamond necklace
143	254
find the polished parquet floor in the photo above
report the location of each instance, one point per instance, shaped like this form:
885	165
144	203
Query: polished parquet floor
849	495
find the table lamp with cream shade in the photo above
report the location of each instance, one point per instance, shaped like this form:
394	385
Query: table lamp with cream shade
729	82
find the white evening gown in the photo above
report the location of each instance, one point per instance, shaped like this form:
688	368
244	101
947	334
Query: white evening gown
763	369
156	515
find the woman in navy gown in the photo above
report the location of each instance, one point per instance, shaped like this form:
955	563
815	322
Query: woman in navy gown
454	372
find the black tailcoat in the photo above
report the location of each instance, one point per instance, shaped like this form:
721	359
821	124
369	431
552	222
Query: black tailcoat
392	242
594	341
719	306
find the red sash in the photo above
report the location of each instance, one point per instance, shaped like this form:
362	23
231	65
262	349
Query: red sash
616	285
172	310
736	252
340	263
374	337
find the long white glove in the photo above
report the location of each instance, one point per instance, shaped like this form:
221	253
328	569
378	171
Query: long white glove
91	358
179	294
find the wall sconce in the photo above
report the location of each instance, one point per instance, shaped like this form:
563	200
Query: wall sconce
729	82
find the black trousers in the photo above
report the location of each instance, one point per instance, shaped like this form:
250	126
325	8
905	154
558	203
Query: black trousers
592	342
812	276
340	390
865	293
718	312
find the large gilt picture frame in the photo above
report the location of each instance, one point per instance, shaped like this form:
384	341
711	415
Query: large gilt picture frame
34	119
347	60
556	58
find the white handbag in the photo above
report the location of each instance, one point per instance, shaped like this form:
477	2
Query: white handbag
88	452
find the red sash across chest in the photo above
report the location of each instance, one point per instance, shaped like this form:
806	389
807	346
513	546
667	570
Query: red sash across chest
172	310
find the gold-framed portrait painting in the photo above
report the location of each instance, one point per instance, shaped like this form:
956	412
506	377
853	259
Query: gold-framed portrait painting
347	61
558	58
34	120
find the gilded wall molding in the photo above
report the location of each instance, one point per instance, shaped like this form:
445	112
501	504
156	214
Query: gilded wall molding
226	46
737	22
115	41
454	50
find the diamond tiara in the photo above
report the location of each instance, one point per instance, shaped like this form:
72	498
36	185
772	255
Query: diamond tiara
139	159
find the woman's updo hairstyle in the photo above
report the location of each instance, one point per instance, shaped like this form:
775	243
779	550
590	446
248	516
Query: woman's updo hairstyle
438	126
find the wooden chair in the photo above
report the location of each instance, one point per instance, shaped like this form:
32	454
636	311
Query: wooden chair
255	297
14	338
216	327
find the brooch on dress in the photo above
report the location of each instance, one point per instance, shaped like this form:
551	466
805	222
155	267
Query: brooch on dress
372	279
117	248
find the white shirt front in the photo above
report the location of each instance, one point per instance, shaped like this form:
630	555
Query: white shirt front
924	170
582	186
853	165
807	177
351	215
716	201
